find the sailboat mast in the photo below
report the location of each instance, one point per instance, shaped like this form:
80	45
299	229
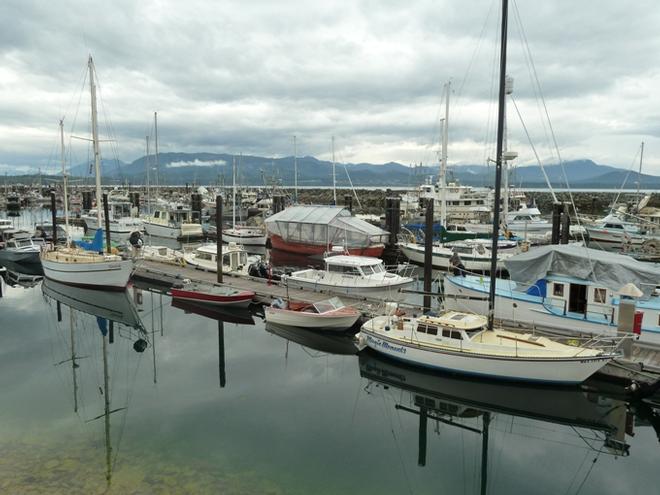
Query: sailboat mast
95	141
498	166
156	150
295	171
334	175
64	182
233	181
148	165
443	161
639	175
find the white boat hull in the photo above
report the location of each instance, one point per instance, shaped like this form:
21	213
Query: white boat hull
386	292
244	240
310	320
185	231
549	370
104	275
440	258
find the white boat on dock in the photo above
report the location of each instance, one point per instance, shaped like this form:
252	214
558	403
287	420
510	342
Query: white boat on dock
357	276
234	258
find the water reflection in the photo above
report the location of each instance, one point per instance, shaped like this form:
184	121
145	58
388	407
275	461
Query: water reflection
328	342
599	421
101	315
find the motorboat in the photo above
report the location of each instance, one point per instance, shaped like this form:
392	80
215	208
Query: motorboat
222	295
245	235
612	232
227	314
331	314
174	222
205	257
461	343
161	254
357	276
475	254
22	249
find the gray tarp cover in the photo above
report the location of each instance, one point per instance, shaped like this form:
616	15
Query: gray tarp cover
610	270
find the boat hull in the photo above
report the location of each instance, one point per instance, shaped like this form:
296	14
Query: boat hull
329	321
440	260
386	292
241	299
105	275
19	256
565	371
374	250
186	231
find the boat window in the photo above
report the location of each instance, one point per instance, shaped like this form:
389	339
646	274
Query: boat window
346	270
558	290
157	214
613	226
452	334
430	329
600	295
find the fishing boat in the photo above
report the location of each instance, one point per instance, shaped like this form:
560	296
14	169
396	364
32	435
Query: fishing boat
331	314
613	232
358	276
205	257
222	295
460	342
123	220
174	222
74	265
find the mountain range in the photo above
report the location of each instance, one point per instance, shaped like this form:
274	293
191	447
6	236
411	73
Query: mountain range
216	168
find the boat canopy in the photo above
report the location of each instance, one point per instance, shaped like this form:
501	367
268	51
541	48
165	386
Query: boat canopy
609	270
323	225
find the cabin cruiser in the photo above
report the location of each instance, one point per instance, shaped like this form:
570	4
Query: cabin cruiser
614	232
123	219
173	223
358	276
234	258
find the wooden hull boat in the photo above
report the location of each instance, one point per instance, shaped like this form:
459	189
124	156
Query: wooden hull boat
323	315
222	295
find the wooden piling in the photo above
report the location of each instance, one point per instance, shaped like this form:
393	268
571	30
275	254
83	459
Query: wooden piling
428	255
218	226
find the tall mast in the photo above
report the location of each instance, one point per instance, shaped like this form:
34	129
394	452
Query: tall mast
64	182
443	160
295	171
95	142
156	150
498	166
334	176
148	165
233	181
505	165
639	175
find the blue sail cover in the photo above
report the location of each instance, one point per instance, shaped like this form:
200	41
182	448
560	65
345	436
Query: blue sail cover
95	244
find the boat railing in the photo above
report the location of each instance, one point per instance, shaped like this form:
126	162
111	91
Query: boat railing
560	306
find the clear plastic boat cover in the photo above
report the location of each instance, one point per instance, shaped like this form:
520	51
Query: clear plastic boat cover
323	225
609	270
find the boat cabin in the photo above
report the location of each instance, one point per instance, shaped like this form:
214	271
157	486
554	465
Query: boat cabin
357	266
452	325
578	296
233	256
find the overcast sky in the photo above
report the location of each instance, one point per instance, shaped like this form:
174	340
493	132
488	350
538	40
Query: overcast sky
245	76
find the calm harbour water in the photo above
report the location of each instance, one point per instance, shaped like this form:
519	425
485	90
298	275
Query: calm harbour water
278	417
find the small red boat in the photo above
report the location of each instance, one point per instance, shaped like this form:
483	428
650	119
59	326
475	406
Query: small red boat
212	294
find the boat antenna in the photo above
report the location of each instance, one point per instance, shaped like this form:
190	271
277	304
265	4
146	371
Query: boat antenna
498	166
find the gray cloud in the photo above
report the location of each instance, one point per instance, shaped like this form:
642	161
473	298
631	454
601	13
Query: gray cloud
236	77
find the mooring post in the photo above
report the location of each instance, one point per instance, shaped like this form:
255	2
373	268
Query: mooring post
556	222
428	255
53	213
218	226
565	225
108	247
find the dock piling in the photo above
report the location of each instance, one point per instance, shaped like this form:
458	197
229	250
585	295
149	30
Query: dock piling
428	255
218	226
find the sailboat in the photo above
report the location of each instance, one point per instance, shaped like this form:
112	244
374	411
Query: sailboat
242	234
76	266
468	343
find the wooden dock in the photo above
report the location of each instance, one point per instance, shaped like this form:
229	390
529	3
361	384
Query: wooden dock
266	290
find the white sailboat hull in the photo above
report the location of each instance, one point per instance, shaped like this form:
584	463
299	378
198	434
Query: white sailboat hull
100	275
549	370
440	258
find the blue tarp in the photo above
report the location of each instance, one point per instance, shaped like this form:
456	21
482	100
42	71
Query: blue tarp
95	244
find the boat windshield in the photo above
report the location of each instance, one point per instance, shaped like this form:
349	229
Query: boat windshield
371	269
328	305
